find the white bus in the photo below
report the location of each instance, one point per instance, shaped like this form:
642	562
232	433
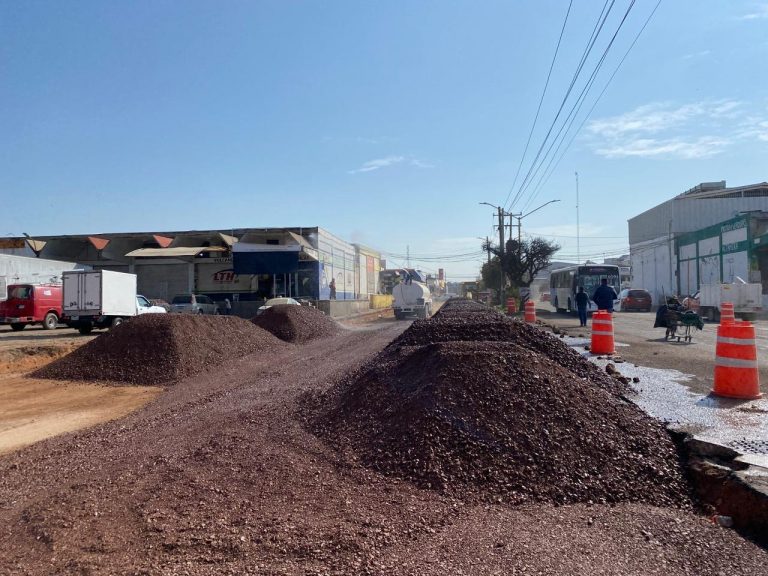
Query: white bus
565	282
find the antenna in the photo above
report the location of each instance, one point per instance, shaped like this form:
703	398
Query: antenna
578	251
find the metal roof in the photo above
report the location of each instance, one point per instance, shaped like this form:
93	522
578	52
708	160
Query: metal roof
174	252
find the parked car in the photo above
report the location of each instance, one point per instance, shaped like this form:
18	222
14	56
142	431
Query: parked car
193	304
29	304
634	299
276	302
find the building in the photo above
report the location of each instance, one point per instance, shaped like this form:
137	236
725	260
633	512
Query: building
706	235
244	265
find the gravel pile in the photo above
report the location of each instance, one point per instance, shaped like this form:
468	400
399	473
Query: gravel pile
496	418
220	476
161	348
458	326
297	323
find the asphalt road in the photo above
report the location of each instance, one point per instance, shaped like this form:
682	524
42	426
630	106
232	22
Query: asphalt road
639	342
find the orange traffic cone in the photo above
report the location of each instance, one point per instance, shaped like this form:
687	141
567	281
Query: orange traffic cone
736	374
511	306
726	312
530	312
602	333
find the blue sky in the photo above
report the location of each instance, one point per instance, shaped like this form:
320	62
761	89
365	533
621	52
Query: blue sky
385	122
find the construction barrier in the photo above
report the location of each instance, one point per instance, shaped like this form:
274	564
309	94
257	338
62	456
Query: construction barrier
727	313
736	374
530	312
511	306
602	333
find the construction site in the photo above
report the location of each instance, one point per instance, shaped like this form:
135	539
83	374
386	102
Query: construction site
466	443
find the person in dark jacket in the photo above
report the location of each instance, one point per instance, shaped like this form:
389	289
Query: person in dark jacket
604	296
582	301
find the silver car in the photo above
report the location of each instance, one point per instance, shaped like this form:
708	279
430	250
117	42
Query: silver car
193	304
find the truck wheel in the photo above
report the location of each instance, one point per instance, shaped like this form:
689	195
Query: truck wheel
116	322
200	311
50	321
85	328
17	326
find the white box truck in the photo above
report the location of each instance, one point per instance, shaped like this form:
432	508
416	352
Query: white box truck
101	299
747	299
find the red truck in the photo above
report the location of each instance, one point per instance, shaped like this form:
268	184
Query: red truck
32	304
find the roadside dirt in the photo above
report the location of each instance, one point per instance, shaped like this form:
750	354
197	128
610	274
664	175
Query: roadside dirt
32	410
219	475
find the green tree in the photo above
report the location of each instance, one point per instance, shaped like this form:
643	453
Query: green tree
523	260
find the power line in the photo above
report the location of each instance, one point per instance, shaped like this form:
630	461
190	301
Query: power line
549	172
541	100
577	105
590	43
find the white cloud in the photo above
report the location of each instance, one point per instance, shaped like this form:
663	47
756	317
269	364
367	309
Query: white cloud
378	163
660	116
697	54
702	147
689	131
759	13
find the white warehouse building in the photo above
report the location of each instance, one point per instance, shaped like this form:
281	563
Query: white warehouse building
706	235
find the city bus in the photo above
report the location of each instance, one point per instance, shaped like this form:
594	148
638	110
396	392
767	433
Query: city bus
565	282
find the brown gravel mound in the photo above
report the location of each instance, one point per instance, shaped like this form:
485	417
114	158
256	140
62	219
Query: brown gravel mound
458	327
161	348
500	421
297	323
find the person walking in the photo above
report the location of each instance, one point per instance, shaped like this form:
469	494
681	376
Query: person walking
604	296
332	287
582	301
227	307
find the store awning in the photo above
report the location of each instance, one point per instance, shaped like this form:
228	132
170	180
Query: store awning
174	252
279	262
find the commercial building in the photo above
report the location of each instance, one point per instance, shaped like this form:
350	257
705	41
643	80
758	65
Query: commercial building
706	235
245	265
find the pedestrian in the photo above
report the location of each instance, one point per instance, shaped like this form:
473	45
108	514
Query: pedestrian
604	296
227	307
332	286
582	300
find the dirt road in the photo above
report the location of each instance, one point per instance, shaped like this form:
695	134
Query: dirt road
32	410
220	475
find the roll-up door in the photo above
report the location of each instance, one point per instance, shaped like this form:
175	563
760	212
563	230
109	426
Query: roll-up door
163	280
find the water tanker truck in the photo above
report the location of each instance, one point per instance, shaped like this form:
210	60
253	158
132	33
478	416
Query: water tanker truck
411	298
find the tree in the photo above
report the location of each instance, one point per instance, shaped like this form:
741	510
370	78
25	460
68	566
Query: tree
523	260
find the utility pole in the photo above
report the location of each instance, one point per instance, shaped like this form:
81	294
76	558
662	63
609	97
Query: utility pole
578	251
501	256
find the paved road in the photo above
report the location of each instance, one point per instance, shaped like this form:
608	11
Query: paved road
646	345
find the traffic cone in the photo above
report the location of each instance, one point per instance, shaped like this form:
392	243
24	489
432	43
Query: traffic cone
602	333
726	312
530	312
511	306
736	374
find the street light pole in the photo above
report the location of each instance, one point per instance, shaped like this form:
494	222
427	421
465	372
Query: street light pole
519	217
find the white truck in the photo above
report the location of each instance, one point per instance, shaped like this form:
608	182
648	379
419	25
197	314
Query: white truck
747	299
411	299
101	299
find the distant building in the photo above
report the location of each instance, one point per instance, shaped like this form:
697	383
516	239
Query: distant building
708	234
245	264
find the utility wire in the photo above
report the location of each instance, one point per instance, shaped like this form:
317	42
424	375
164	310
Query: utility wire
588	49
541	101
578	104
549	172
